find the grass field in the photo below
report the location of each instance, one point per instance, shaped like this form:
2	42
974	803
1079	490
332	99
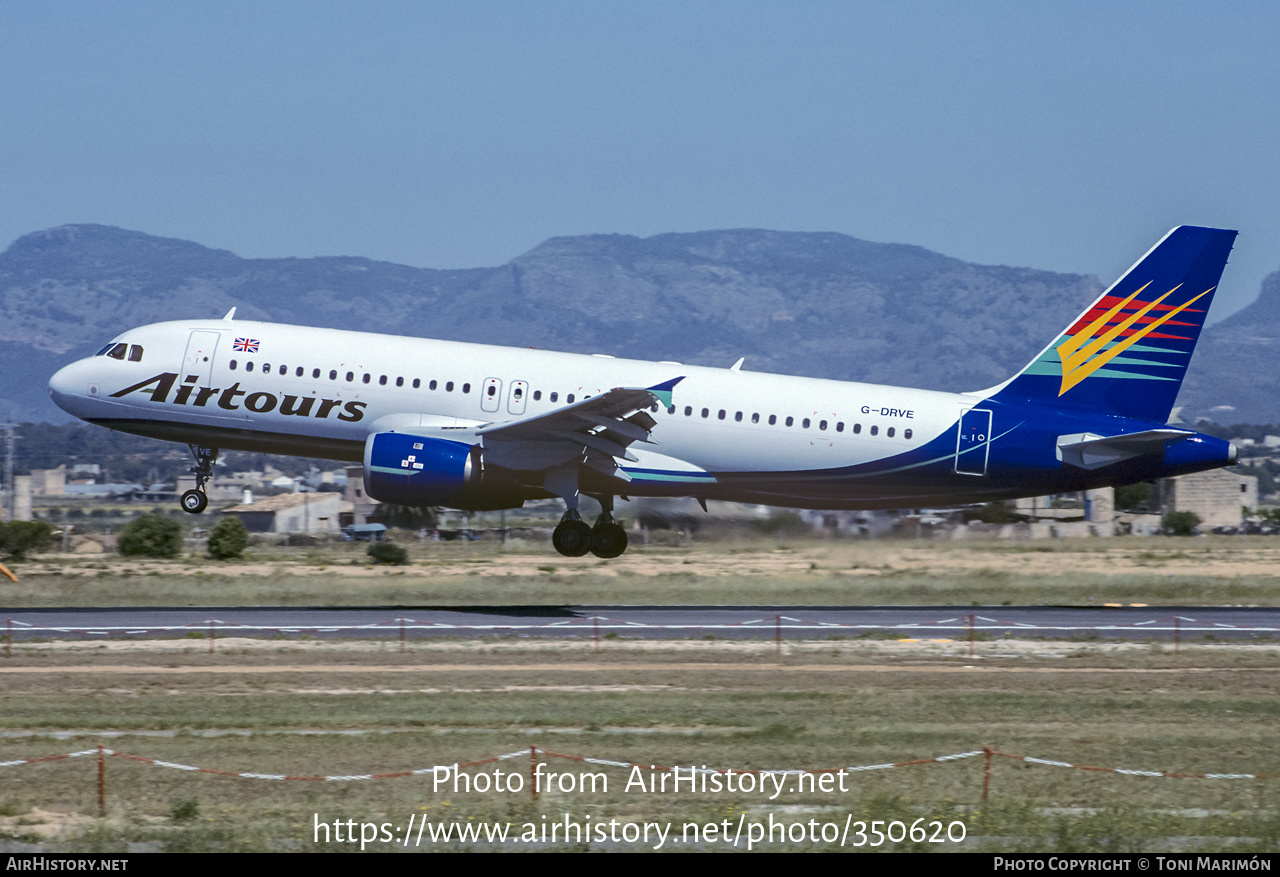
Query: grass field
368	708
1191	571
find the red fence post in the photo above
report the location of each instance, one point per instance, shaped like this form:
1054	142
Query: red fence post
986	771
102	782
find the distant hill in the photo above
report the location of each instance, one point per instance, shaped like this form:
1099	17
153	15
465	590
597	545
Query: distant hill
1235	373
819	304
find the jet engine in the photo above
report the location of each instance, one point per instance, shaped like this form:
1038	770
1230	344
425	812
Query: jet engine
415	470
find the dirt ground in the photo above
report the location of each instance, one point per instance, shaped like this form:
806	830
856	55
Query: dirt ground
1044	557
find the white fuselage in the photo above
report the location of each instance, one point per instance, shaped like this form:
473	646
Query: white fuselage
338	386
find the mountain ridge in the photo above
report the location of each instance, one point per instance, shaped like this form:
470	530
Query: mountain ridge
812	303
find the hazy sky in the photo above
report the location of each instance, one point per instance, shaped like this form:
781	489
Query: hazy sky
1065	136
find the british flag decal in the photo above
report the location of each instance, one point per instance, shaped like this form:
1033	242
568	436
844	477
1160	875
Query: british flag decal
245	345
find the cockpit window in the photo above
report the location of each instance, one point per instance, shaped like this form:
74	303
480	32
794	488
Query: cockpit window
117	351
103	351
135	353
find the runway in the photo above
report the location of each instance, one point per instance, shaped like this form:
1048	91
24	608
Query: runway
1132	623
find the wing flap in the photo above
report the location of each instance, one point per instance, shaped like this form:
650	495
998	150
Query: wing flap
596	431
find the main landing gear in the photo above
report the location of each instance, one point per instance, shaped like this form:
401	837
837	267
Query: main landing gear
195	501
572	536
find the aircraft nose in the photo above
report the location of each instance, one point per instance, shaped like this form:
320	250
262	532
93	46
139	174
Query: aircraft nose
69	386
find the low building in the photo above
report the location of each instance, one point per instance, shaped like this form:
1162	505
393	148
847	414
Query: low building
49	482
1219	496
362	507
291	513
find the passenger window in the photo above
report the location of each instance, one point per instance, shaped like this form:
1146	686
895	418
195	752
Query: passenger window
738	417
857	428
232	365
367	377
117	352
688	411
822	424
266	368
537	395
875	430
840	426
430	386
135	353
773	420
315	373
248	366
492	391
351	376
448	387
284	369
466	388
721	414
755	418
298	373
706	412
519	394
671	409
569	398
418	382
333	374
399	382
382	380
889	432
555	397
805	423
790	420
906	433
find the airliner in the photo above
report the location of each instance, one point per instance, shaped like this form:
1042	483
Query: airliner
479	427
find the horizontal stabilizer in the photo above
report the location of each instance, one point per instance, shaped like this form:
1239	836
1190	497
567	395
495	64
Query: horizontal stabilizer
1089	451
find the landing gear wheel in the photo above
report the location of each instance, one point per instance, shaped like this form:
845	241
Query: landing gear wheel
608	540
194	501
572	538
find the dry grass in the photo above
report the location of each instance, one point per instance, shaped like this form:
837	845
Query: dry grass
822	703
1204	571
732	705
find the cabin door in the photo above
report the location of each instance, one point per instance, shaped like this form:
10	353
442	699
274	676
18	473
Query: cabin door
198	359
973	442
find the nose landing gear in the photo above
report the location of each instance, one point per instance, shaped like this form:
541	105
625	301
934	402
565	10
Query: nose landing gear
195	501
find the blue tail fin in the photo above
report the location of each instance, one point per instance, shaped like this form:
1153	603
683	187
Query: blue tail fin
1128	352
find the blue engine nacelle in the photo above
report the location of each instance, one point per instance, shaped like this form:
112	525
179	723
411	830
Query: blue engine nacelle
414	470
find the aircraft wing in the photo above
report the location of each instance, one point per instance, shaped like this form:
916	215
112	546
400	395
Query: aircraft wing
595	431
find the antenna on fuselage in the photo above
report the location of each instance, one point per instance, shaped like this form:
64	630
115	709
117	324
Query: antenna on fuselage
230	315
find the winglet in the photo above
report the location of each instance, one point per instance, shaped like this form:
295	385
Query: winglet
230	315
663	390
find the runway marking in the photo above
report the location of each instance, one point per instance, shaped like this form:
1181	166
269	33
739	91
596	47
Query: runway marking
118	669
